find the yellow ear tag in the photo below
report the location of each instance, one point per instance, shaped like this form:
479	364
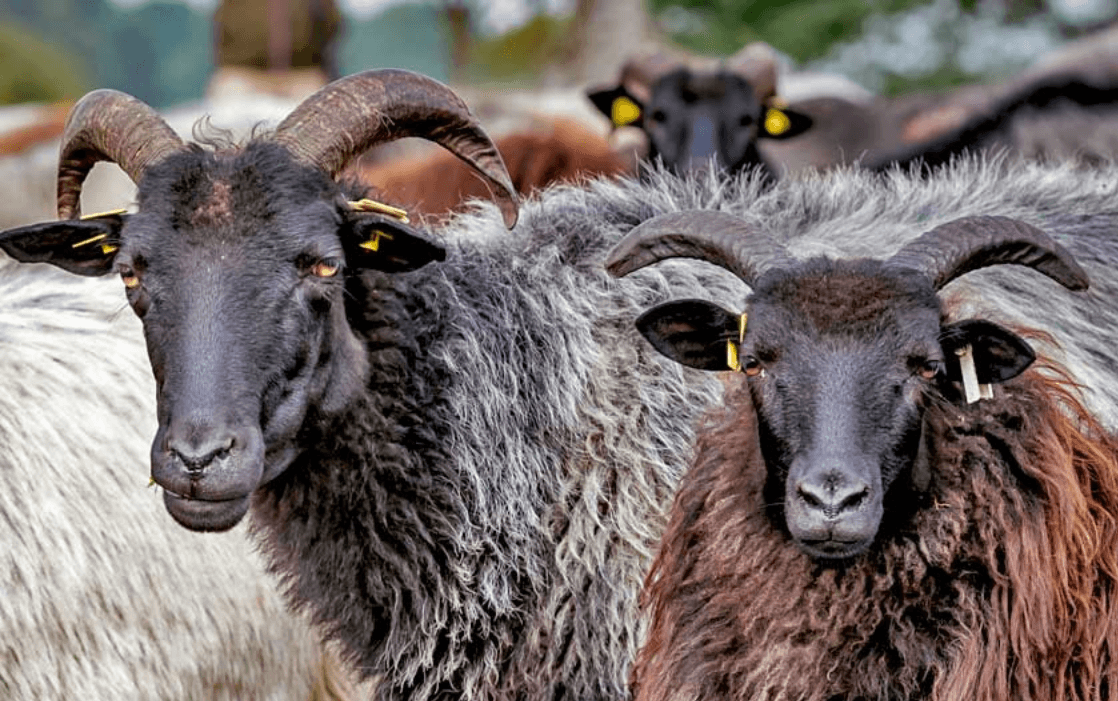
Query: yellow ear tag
624	112
776	122
108	248
110	213
732	356
373	243
367	205
88	241
732	359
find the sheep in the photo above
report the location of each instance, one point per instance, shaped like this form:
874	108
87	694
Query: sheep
858	522
545	152
103	597
732	112
459	470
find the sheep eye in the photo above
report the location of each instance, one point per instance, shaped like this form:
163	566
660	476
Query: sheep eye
752	367
929	369
328	267
130	278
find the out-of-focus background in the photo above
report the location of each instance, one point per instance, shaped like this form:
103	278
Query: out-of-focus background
164	51
244	63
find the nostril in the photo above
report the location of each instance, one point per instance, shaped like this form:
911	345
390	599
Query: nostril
854	500
195	458
808	498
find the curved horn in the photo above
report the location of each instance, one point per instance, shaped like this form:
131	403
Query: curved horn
355	113
757	63
641	71
108	125
716	237
970	243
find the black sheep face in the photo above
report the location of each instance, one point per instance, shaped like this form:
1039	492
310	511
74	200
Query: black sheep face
840	357
696	120
236	263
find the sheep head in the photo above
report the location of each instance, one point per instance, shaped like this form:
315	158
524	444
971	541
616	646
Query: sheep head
695	113
238	263
841	356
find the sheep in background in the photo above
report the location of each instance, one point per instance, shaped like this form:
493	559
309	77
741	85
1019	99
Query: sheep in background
103	597
452	466
857	524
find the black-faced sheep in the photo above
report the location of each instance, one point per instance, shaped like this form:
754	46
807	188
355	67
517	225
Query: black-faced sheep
693	112
104	598
460	471
863	520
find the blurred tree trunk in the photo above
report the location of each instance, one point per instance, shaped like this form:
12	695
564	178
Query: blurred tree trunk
604	33
457	14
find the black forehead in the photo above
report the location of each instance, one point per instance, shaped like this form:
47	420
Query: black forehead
234	193
860	298
698	86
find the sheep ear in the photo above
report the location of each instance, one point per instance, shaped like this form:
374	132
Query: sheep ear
691	332
618	104
390	244
84	246
999	354
784	123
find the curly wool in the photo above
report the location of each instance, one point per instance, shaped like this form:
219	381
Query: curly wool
1000	582
479	524
104	597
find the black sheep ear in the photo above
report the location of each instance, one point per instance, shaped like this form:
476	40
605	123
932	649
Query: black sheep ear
84	246
389	243
692	332
999	354
784	123
618	104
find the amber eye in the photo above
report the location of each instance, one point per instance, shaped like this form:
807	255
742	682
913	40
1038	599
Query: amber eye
751	367
326	268
929	369
130	278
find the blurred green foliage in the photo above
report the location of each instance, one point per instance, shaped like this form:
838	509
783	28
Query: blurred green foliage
159	51
34	70
803	29
521	53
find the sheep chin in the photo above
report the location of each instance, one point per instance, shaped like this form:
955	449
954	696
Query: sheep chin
834	552
207	516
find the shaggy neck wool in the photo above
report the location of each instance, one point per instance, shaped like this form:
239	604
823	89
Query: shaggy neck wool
1003	583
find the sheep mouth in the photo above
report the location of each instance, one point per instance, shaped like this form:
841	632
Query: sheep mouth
834	551
205	515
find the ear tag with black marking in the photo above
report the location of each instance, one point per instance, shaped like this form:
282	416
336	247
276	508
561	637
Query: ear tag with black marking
732	359
367	205
972	390
776	122
373	244
624	112
90	240
110	213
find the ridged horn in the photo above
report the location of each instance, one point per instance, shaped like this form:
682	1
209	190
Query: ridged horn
716	237
757	63
108	125
352	114
960	246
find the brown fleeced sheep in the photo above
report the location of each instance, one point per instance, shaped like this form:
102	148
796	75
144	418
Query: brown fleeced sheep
856	526
990	591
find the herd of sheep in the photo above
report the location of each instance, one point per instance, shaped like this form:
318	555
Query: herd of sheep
808	399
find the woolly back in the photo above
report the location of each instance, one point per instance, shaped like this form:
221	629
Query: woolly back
1000	582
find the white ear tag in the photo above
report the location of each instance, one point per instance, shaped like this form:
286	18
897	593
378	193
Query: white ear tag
971	389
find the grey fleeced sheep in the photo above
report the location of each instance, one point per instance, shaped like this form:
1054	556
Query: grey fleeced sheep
458	468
